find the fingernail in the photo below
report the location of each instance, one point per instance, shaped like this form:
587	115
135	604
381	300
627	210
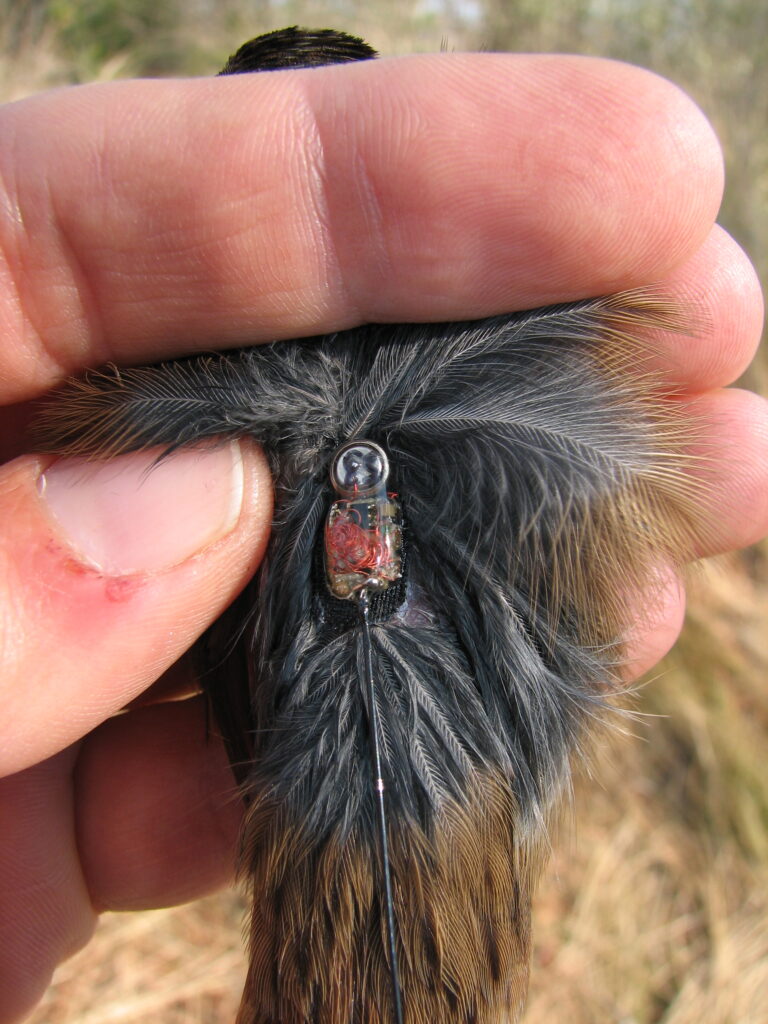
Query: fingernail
134	514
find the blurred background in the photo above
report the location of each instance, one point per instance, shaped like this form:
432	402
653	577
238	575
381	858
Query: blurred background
654	909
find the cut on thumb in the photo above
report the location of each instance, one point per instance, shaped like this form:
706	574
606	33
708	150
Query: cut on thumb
108	572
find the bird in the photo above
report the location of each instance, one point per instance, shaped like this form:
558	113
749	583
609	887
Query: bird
435	635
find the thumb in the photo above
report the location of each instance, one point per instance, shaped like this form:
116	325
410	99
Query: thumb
108	572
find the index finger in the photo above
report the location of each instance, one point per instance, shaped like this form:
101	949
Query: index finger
144	219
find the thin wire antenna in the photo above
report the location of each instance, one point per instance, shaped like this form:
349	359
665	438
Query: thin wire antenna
381	812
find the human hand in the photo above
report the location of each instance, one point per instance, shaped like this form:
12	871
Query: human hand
146	219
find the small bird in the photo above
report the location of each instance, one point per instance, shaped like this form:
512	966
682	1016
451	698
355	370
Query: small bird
462	513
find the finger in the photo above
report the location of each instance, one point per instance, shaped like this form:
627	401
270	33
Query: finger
732	468
108	572
46	910
178	682
656	621
158	811
719	288
294	203
151	820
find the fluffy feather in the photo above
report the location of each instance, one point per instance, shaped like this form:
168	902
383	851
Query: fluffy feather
542	472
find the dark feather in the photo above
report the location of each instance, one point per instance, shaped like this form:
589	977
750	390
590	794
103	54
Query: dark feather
542	473
297	48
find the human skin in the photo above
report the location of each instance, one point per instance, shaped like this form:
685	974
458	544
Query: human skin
141	220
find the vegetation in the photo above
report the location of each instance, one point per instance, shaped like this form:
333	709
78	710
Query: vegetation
655	910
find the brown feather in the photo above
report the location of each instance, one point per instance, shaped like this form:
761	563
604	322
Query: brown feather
462	896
